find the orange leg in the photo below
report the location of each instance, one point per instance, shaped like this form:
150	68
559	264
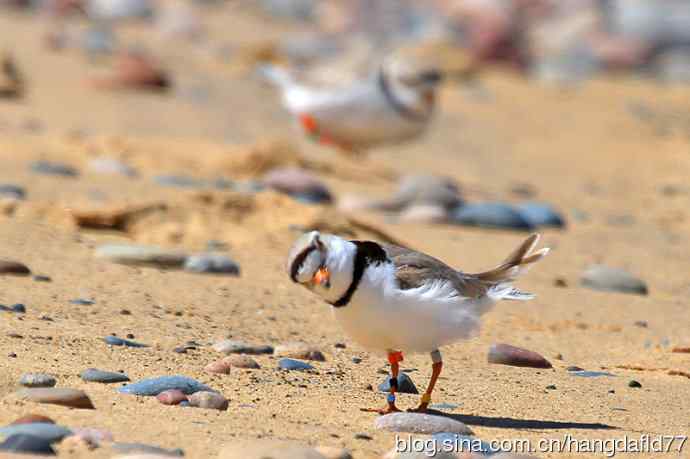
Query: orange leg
436	368
394	358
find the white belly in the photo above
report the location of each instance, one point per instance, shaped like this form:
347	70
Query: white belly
381	317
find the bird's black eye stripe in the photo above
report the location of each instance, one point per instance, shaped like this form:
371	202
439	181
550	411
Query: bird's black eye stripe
299	260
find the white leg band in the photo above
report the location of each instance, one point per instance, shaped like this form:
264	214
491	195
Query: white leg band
436	356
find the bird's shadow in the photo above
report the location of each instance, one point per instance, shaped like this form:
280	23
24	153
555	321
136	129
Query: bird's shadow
512	423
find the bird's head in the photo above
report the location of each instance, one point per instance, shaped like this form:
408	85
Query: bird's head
323	263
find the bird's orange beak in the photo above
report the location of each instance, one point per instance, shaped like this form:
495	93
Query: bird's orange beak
322	276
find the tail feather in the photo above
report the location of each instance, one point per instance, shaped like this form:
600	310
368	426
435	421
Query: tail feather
517	263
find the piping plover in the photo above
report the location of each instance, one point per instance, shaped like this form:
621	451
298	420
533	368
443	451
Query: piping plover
392	300
394	104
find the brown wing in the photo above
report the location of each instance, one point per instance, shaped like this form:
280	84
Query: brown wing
414	269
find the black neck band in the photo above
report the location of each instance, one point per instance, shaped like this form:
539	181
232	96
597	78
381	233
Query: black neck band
402	109
367	253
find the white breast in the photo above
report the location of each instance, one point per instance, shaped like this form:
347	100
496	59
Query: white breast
381	317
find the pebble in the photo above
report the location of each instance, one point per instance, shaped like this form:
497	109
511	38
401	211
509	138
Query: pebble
505	354
600	277
491	215
290	364
551	387
16	308
100	376
82	302
53	168
72	398
634	384
363	436
144	449
299	350
211	263
425	190
574	368
420	423
224	365
41	278
171	397
228	346
33	418
641	323
37	380
298	184
43	430
263	448
541	214
154	386
116	341
405	384
105	165
590	374
141	255
179	181
242	361
12	191
681	350
219	367
27	444
14	267
208	400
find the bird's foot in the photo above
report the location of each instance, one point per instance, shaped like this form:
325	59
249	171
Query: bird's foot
390	408
422	408
423	405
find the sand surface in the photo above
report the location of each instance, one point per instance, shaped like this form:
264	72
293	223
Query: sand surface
587	151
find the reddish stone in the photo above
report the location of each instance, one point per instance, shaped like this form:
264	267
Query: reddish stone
33	418
171	397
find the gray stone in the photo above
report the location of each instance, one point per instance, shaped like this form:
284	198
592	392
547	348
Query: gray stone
53	168
154	386
100	376
211	263
116	341
12	191
229	346
294	365
44	430
27	444
491	215
600	277
141	255
37	380
420	423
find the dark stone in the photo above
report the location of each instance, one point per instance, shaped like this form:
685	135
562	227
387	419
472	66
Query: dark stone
105	377
491	215
291	364
12	191
27	444
405	384
634	384
541	214
53	168
115	341
82	302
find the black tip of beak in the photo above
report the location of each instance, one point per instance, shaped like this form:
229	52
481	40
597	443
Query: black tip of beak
432	76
